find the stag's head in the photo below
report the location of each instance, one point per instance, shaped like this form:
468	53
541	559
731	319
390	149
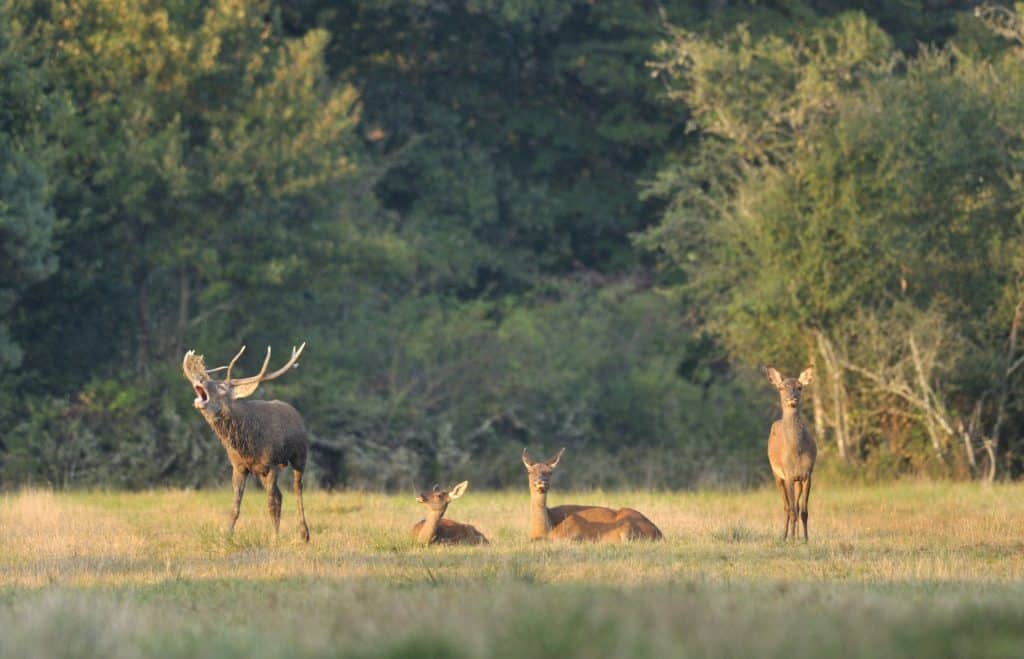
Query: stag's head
213	396
540	472
789	388
438	500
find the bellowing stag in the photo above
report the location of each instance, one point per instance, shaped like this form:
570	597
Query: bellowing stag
260	436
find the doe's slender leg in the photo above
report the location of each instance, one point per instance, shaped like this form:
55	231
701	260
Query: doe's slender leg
803	504
785	504
791	492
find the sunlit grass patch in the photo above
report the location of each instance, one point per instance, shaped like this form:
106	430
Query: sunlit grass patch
889	562
739	533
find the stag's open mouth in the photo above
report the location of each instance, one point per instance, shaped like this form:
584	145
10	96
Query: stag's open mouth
201	396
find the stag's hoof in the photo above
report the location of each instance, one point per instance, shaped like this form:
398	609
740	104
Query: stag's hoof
304	534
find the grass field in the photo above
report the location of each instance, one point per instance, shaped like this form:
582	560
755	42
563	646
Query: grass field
914	569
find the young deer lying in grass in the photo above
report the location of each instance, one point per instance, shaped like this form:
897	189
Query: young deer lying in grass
434	530
577	523
791	449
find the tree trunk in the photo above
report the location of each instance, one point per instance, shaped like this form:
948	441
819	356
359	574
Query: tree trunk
834	373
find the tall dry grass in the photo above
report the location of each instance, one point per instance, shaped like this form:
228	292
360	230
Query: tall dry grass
888	570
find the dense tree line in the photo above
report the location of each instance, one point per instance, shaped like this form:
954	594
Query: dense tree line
511	222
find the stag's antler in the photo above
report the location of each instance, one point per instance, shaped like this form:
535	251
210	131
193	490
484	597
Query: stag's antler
227	377
262	376
194	368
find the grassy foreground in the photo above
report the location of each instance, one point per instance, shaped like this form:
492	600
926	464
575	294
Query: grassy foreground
909	569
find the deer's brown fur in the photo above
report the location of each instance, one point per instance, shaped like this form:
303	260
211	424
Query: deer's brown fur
576	522
435	530
259	436
791	450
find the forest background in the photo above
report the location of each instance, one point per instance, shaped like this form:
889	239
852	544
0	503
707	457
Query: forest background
500	223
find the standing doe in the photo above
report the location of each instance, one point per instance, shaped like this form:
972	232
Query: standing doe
260	436
434	530
574	522
791	449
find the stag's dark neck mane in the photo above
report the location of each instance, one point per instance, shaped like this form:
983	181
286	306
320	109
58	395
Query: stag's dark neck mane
236	426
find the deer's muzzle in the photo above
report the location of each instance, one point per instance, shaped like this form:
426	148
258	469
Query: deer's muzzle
202	398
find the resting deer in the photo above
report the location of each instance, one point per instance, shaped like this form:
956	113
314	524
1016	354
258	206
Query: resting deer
791	449
576	523
260	436
434	530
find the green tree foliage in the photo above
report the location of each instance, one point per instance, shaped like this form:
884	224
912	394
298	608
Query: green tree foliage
441	387
202	155
845	193
202	149
27	219
518	129
441	198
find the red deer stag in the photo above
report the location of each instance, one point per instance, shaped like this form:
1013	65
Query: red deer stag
578	523
260	436
791	449
434	530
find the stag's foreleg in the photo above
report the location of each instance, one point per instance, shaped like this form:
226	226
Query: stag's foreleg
273	497
303	528
238	476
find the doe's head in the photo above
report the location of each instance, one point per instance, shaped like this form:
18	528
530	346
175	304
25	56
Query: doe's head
438	499
214	395
789	388
540	472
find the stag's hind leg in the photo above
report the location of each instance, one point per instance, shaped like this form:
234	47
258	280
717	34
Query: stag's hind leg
303	528
273	498
238	476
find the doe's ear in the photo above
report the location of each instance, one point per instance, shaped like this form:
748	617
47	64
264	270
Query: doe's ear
773	376
807	376
527	460
553	462
244	390
458	490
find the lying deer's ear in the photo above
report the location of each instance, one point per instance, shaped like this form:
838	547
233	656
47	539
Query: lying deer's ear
458	490
526	459
244	390
553	462
807	376
773	376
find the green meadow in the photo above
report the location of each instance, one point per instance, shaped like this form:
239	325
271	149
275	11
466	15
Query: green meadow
914	568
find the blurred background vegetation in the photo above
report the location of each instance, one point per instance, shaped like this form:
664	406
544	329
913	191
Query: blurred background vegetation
501	223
